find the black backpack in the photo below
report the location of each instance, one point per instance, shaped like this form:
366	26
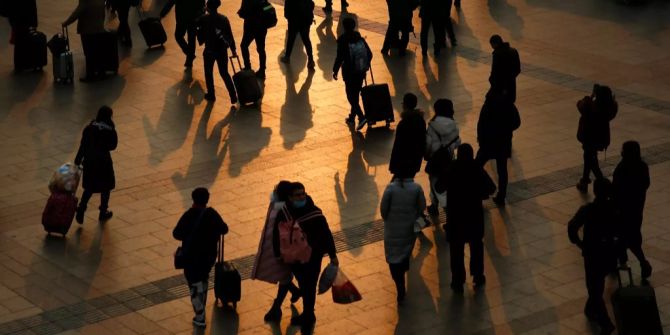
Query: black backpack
269	15
441	158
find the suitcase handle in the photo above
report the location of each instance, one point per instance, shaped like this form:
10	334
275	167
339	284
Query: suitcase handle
67	38
232	65
372	77
220	255
630	275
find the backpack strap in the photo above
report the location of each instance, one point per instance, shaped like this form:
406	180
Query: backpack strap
309	216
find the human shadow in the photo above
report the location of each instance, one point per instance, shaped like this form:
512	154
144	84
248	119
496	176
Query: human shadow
358	199
173	125
326	49
464	32
18	89
445	82
404	78
377	146
104	92
296	113
150	55
246	138
506	16
224	320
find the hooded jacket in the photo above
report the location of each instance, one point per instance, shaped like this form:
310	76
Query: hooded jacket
97	140
409	145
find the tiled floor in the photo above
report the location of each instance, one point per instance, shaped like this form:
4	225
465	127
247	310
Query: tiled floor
118	277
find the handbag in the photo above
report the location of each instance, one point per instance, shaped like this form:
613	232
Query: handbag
180	253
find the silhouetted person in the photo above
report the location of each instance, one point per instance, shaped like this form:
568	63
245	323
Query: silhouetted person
354	56
466	184
593	131
442	132
187	13
215	32
400	22
494	134
630	183
22	16
253	30
300	16
445	12
402	204
599	249
432	14
199	229
410	140
321	241
90	17
329	6
505	67
122	8
97	140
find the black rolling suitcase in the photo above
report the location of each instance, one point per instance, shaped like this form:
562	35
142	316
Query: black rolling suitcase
152	30
377	103
107	53
227	280
635	308
30	50
246	84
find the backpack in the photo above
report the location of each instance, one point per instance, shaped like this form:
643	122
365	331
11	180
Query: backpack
441	158
269	15
293	245
359	56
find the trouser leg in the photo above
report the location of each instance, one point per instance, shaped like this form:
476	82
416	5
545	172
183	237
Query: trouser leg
307	276
398	275
104	200
259	37
208	60
179	32
353	91
476	258
457	260
198	292
595	286
425	27
290	39
247	37
85	197
501	167
304	35
222	62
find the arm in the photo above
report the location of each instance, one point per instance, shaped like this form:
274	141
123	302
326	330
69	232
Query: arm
82	145
516	63
385	206
113	141
74	16
275	234
574	225
180	233
339	59
420	201
329	241
229	35
222	227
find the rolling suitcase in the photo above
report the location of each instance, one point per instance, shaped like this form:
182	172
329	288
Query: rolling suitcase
152	30
377	103
635	308
227	280
59	212
63	65
30	50
246	84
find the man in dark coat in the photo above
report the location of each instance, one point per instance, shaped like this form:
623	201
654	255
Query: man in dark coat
319	238
122	8
599	249
97	140
505	67
410	140
400	22
630	183
22	15
466	184
349	45
186	14
199	229
254	29
300	16
433	13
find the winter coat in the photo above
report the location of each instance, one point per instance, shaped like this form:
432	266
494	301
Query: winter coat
401	12
409	145
266	266
215	32
494	130
251	10
437	9
600	232
186	11
344	59
440	132
402	204
299	12
97	140
466	184
630	183
22	14
90	17
594	123
505	66
200	245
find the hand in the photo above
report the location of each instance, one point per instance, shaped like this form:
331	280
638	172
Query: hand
335	261
334	75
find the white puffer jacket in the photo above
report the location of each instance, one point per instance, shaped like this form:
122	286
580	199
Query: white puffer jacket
440	132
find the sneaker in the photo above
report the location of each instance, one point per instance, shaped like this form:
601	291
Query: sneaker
199	323
79	217
273	315
210	97
105	215
361	124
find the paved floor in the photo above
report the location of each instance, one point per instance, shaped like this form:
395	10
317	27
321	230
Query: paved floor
118	278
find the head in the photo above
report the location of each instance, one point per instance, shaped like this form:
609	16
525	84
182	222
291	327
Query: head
631	151
349	24
496	41
104	114
297	196
213	5
282	190
602	188
444	107
602	93
465	152
200	196
409	101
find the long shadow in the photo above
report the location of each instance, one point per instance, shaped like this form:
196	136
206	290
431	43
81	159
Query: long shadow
377	146
173	125
18	89
506	16
104	92
296	113
464	32
326	49
359	194
224	321
404	78
246	139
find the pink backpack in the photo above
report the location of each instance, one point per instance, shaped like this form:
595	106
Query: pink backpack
293	245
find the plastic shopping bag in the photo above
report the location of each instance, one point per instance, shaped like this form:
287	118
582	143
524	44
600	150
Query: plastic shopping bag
344	291
65	179
327	278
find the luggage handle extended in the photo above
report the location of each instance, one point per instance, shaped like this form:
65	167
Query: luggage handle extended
67	38
232	65
220	254
630	275
372	77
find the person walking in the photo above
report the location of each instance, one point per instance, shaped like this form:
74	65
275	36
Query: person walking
320	239
97	140
400	23
199	229
593	132
599	249
329	6
266	266
442	139
300	16
216	34
187	13
254	29
410	140
431	15
505	67
630	183
122	9
466	184
354	57
402	204
90	17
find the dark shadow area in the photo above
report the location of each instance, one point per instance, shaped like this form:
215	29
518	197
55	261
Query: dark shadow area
224	320
506	16
464	33
17	89
150	55
104	92
404	79
246	138
377	146
326	49
296	113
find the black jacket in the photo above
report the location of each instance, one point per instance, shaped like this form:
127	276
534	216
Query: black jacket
97	140
343	58
186	11
21	13
401	12
630	184
494	131
601	231
505	66
409	144
594	123
299	11
317	231
251	10
215	32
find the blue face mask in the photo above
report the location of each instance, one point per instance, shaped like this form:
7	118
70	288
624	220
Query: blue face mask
299	203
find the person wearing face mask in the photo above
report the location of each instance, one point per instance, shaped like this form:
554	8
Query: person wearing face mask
267	267
319	238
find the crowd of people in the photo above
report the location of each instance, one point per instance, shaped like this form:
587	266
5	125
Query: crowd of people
458	181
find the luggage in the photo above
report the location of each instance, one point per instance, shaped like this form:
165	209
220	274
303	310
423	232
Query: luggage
377	103
635	308
30	50
246	84
65	179
59	212
63	64
152	30
227	280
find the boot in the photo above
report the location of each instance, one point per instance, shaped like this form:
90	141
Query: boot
274	314
583	185
105	215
